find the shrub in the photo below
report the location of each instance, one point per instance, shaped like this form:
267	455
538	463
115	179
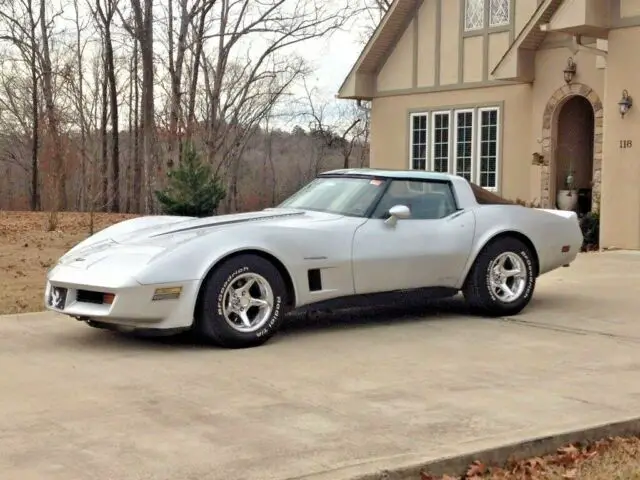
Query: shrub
192	189
590	226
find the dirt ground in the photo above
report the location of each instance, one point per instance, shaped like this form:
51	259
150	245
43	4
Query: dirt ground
612	458
28	249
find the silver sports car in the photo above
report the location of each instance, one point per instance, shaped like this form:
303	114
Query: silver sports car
347	234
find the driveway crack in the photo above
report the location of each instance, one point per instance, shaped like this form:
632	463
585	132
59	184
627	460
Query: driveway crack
569	330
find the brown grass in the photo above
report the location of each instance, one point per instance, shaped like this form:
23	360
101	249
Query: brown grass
28	249
607	459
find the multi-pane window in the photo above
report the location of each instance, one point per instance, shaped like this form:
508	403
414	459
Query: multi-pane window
463	142
488	154
499	13
473	15
419	138
440	151
475	10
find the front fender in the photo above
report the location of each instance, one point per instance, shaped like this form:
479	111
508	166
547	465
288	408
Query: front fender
193	259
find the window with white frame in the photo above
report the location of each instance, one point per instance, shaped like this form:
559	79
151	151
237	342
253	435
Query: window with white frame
499	13
463	142
488	147
419	123
440	145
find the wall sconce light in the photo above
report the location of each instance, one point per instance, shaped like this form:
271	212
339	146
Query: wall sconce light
625	103
569	70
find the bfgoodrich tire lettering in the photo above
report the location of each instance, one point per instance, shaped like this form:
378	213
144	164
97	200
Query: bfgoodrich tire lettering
480	289
222	315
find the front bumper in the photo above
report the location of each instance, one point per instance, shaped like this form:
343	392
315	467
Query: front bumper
133	305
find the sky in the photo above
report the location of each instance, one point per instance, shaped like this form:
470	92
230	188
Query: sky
334	59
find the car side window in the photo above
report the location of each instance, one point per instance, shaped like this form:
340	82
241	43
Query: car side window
427	200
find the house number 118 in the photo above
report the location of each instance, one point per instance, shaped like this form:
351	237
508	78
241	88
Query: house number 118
626	143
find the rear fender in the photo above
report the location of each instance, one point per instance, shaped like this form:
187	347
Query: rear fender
490	236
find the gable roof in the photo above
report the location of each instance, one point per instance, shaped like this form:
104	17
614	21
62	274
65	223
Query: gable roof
531	36
382	41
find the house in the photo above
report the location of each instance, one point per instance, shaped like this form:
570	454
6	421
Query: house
527	98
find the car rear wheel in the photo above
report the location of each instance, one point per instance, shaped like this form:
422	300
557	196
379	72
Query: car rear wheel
502	279
242	303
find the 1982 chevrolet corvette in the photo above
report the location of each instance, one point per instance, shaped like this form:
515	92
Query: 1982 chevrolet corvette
348	233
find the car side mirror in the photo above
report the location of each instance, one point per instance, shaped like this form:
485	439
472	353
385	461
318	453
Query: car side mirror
396	212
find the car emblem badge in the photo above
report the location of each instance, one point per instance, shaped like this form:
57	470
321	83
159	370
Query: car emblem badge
57	298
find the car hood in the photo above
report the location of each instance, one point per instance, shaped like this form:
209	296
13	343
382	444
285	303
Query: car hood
133	249
178	232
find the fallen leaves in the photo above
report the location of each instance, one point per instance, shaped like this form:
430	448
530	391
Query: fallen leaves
599	460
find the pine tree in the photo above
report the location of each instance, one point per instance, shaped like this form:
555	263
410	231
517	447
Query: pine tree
192	189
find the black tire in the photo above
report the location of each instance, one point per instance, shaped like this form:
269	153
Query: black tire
481	297
210	321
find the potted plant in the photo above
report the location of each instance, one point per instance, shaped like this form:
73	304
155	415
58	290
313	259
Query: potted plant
567	198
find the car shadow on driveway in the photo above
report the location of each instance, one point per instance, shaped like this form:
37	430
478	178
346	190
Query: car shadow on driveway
405	309
299	322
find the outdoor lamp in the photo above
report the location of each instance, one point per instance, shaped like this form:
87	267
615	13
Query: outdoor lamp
569	70
625	103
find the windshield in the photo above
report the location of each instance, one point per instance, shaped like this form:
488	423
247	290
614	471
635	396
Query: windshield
343	196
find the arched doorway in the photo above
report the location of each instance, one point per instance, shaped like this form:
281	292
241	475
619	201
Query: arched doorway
573	152
554	145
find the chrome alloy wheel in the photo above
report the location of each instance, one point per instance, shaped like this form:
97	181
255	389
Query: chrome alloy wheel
508	277
247	302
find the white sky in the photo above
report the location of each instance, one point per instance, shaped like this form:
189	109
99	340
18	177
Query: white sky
333	59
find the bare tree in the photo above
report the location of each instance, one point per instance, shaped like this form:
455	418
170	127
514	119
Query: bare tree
243	86
374	10
53	127
77	86
141	29
333	125
86	114
189	11
20	27
104	12
198	32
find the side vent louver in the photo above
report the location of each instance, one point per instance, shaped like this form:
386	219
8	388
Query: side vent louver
315	280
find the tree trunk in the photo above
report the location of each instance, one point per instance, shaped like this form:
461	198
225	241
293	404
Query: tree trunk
81	113
130	164
104	171
137	167
193	87
115	141
35	189
149	152
60	197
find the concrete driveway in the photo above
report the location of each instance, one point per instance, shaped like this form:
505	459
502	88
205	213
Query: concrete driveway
337	395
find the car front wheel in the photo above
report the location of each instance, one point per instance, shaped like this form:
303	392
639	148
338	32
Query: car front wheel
242	303
503	278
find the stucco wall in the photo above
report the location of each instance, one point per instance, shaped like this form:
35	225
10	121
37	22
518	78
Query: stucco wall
434	51
390	129
620	206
